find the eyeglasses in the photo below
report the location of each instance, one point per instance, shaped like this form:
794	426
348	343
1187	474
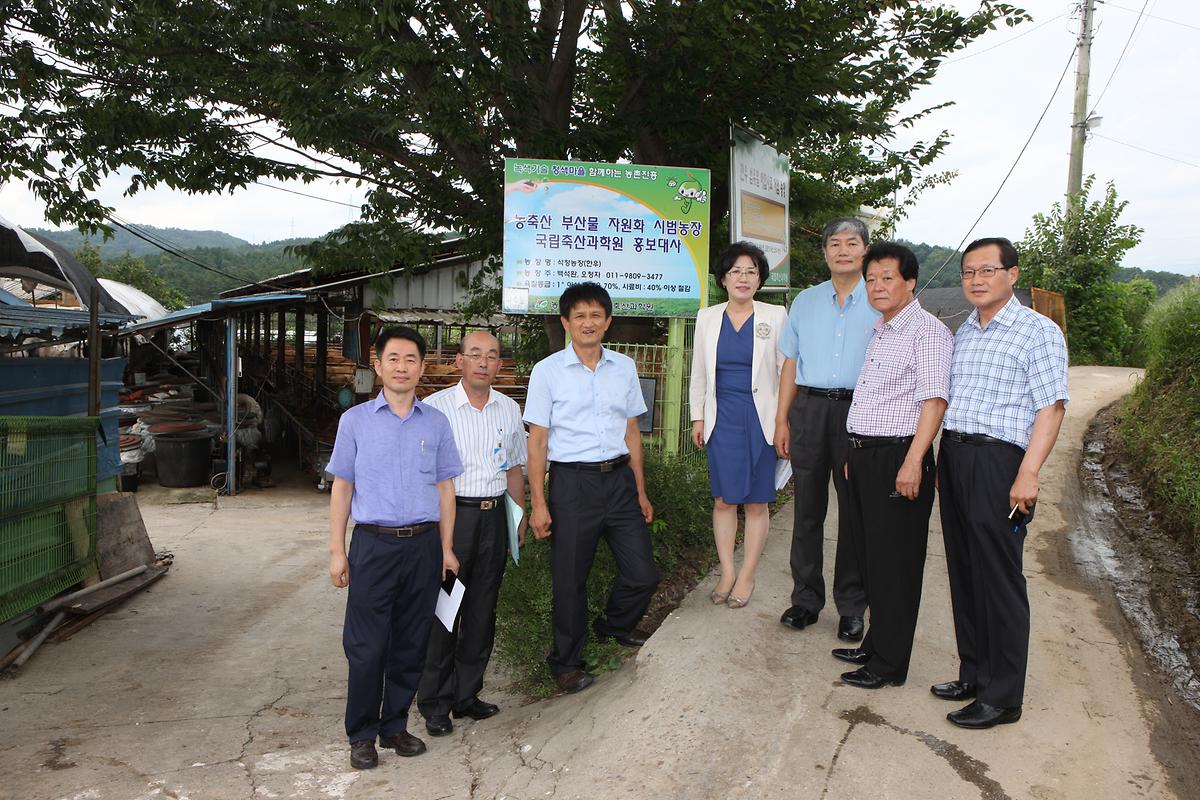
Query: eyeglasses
490	358
983	272
743	273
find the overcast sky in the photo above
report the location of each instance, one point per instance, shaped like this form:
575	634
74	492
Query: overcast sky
999	86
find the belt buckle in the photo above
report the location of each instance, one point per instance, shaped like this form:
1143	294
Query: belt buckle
856	442
607	466
403	533
487	505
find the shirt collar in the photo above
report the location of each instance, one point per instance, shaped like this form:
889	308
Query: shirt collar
857	295
903	319
380	401
1006	316
460	399
572	357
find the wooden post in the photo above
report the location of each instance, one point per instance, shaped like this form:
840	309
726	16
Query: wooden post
300	338
322	345
280	337
94	354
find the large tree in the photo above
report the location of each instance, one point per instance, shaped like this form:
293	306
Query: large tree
422	99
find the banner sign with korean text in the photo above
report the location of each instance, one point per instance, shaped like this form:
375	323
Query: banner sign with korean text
758	201
639	231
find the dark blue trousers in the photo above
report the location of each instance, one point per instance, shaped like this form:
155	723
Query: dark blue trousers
389	609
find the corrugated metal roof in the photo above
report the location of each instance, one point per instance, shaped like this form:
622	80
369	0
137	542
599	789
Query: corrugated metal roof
213	309
10	299
51	323
427	315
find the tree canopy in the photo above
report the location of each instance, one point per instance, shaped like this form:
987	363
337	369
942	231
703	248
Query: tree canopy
421	100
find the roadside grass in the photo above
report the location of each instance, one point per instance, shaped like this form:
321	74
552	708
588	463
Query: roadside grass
682	535
1159	422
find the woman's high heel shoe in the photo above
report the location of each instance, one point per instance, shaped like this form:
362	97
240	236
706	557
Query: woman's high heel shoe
718	598
738	602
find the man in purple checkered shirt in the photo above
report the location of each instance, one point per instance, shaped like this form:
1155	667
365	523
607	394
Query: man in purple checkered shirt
1008	395
899	400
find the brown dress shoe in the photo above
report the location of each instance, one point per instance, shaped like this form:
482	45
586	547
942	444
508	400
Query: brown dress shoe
405	744
572	682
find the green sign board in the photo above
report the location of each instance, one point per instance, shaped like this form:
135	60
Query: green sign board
639	231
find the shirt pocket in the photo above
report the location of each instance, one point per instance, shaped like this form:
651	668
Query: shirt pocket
427	460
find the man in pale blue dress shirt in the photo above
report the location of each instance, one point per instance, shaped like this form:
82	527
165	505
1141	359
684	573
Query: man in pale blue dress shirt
825	342
393	463
582	410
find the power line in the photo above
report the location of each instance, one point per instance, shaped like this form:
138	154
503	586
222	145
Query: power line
305	194
1006	41
167	247
1151	16
1145	150
1120	58
1008	174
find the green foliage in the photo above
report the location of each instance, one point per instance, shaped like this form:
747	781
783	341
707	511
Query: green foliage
1137	296
1075	251
132	271
422	100
931	257
1163	281
682	533
1160	421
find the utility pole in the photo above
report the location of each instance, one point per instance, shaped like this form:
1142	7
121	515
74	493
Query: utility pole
1079	123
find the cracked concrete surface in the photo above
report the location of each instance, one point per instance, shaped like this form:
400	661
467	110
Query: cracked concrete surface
226	680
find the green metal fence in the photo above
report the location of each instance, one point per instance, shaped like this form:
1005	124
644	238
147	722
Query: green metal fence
47	508
669	366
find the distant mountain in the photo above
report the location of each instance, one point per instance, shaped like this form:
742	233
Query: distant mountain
1163	281
124	242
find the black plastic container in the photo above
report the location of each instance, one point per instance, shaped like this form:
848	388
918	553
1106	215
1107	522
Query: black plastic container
183	458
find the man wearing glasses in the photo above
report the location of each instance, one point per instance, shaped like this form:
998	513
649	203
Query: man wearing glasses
491	442
824	342
1008	395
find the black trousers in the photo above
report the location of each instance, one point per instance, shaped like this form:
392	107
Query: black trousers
456	661
983	559
389	608
893	532
819	445
585	506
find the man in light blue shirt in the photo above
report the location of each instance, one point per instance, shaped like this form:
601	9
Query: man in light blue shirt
582	410
825	342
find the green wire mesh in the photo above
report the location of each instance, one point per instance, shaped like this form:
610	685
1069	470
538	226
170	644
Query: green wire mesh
47	508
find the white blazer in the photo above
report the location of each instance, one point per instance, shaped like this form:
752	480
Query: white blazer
766	365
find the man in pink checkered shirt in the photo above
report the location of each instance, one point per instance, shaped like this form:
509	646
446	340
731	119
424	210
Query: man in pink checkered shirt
898	405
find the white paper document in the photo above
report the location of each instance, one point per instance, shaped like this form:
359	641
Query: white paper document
448	603
514	513
783	473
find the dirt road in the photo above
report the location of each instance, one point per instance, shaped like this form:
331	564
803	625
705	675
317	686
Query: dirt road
226	680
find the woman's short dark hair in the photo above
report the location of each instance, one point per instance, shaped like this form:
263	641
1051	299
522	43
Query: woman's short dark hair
399	332
904	257
731	254
586	292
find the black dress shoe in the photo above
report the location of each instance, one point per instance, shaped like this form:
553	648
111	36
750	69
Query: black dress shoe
978	716
405	744
863	678
363	755
953	690
850	629
798	618
439	725
634	638
477	710
851	655
572	682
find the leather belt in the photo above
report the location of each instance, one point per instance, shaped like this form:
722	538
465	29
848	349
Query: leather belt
399	533
832	394
593	466
976	438
859	442
482	503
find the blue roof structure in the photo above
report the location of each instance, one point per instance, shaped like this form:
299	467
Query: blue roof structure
214	309
17	321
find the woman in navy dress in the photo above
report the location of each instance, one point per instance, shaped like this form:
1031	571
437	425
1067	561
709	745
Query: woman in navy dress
734	391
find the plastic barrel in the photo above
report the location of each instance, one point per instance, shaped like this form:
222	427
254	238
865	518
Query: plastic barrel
183	458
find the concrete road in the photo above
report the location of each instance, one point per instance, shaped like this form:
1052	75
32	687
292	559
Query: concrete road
226	680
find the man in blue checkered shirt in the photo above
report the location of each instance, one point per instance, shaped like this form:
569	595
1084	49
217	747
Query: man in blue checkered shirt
1008	395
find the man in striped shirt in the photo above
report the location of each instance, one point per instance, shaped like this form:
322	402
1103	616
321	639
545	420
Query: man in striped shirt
1008	396
490	438
897	410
